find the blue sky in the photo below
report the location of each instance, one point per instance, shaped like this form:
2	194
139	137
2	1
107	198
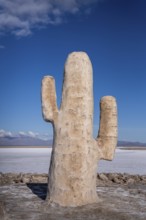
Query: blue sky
37	35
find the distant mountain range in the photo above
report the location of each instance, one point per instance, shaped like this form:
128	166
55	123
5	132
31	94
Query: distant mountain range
26	140
131	144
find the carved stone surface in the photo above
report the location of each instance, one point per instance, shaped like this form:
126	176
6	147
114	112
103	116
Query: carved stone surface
72	174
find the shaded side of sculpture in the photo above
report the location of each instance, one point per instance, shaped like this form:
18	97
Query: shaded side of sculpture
72	173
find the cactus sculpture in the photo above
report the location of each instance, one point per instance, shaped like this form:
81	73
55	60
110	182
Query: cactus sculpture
75	153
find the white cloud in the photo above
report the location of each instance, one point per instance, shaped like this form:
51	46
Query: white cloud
20	17
4	133
33	134
45	136
8	134
21	133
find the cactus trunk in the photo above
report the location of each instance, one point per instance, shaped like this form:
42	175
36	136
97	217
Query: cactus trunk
75	153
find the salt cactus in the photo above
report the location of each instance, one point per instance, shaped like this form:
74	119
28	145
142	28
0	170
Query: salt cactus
75	153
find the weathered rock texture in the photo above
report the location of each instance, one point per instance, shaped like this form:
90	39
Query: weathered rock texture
72	174
102	179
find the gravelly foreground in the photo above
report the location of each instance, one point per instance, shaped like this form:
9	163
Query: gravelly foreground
121	196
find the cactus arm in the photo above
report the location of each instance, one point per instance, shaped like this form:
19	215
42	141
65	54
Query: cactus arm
107	135
49	105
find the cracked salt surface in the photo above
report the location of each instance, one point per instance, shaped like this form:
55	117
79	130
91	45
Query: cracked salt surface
125	202
114	203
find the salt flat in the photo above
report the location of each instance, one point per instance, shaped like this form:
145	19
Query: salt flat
36	160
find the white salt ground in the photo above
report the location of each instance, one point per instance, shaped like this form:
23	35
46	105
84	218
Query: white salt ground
36	160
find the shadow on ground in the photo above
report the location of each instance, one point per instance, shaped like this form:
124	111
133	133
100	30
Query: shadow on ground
39	189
